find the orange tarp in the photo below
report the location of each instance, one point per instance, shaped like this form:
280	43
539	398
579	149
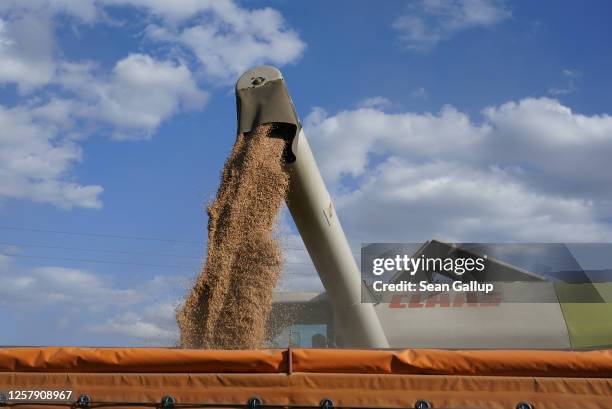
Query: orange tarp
351	378
590	364
447	362
125	360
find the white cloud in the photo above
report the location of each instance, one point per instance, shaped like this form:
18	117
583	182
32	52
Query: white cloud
26	47
430	21
70	100
572	79
450	201
38	147
299	274
35	161
227	40
136	97
530	171
557	150
155	326
27	40
373	132
175	11
142	313
84	10
44	286
419	93
375	102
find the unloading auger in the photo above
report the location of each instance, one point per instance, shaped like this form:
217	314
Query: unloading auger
262	98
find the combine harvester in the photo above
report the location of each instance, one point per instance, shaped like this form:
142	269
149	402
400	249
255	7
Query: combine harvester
548	376
561	307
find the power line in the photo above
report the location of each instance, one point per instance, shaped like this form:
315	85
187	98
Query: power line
96	261
117	236
112	236
303	249
5	243
84	260
293	248
312	272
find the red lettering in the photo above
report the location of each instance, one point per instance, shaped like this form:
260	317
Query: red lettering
396	301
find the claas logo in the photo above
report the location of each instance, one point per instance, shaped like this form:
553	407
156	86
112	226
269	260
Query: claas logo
445	300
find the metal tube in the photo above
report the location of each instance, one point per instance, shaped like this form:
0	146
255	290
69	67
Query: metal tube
262	97
315	217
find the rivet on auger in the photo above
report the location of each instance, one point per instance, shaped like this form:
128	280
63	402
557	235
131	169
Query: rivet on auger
254	403
258	81
168	402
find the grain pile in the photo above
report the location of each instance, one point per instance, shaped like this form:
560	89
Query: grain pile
231	299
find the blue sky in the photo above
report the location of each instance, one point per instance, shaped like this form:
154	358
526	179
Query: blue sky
473	120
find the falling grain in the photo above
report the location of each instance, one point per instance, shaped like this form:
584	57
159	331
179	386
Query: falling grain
231	299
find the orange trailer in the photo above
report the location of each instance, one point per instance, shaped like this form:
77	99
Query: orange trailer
305	378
